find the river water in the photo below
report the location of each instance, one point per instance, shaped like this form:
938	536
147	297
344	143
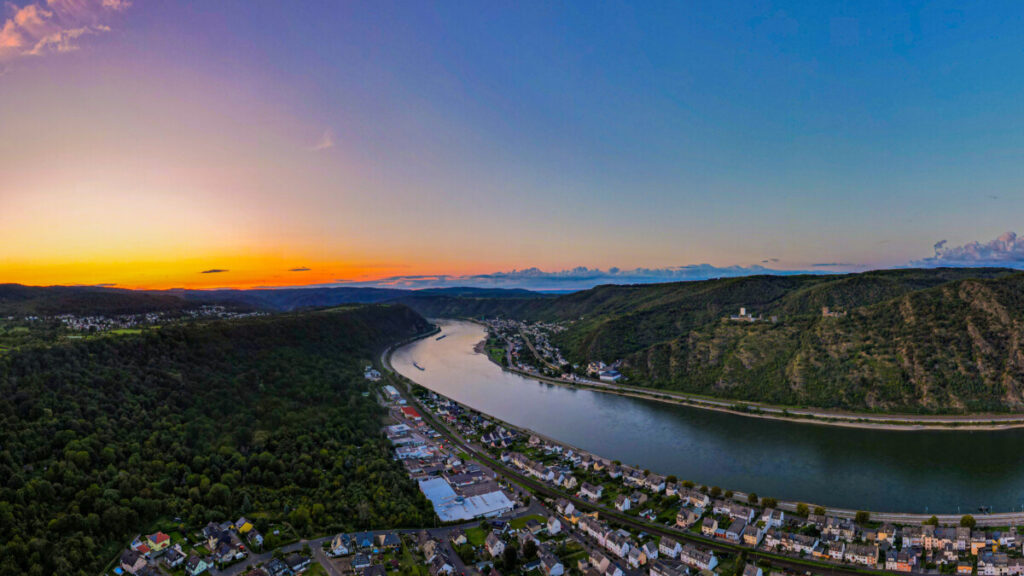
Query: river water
892	471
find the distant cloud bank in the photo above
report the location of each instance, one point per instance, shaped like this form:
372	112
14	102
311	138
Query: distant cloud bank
214	271
53	26
1006	250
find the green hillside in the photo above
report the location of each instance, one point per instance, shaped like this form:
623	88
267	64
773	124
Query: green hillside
941	340
265	417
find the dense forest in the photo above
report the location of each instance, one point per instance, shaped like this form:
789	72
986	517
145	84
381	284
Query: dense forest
266	416
936	340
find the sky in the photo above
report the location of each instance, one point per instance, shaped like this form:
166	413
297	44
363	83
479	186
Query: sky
157	144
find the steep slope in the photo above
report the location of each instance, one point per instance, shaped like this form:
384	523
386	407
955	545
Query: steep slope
955	347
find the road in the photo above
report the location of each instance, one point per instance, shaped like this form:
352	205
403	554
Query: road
753	554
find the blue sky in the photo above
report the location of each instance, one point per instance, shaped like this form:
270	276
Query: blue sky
373	140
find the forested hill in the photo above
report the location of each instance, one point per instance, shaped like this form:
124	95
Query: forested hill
19	300
265	416
935	340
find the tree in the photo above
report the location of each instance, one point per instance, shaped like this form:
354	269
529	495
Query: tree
716	491
671	479
769	502
509	558
819	510
729	494
801	509
933	521
968	521
752	498
862	517
529	550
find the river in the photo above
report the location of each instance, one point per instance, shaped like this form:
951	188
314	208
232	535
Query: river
936	471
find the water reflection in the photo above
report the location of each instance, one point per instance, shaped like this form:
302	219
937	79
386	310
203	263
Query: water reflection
936	471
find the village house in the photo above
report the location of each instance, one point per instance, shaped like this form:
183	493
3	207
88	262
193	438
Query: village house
708	526
686	518
694	498
591	492
196	565
341	545
458	537
158	541
617	543
360	562
622	503
297	563
752	570
174	557
660	568
494	545
773	518
600	561
838	528
735	531
900	561
654	482
669	547
635	558
863	554
550	565
554	525
650	551
913	536
440	565
564	507
795	543
132	561
697	558
741	512
752	535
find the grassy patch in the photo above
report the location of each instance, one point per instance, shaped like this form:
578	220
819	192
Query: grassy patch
476	536
520	523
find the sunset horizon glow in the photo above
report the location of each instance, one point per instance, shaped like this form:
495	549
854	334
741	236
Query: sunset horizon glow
142	144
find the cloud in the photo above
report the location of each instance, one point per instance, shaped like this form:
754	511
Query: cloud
1006	250
579	278
326	141
833	265
214	271
53	26
300	269
770	261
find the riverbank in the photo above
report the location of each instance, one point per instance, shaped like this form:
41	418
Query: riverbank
893	422
997	519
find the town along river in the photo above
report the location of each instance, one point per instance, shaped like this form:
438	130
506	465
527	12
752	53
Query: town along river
866	469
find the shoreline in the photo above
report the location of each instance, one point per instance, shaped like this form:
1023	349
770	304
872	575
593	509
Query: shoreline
991	519
870	421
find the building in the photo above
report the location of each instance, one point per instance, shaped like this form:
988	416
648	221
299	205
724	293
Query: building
591	492
669	548
410	413
495	547
550	565
697	558
131	561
